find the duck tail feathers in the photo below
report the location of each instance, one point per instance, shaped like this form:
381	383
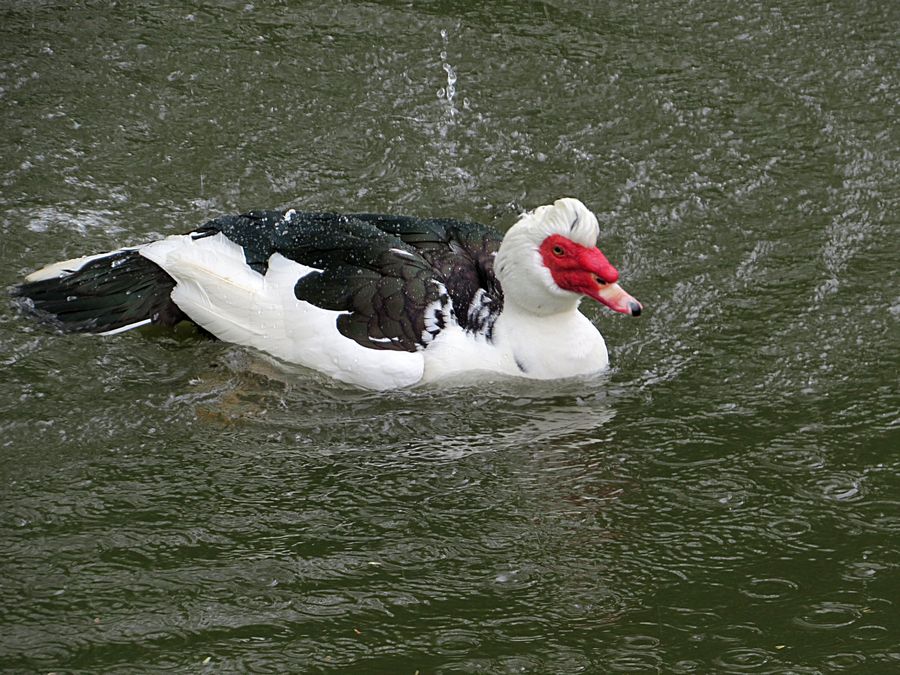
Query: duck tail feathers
102	294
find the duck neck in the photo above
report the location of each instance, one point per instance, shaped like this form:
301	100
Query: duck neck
526	298
553	310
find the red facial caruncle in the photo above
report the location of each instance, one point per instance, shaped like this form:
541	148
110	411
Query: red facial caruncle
586	271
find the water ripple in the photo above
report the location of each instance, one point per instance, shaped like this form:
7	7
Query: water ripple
829	616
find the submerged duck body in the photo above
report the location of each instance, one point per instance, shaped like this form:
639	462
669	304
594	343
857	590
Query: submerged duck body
373	300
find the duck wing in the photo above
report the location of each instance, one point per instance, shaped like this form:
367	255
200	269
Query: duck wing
397	281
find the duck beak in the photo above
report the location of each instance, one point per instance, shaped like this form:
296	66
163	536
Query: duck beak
615	297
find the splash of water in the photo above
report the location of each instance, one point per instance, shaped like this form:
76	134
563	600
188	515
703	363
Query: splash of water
448	92
443	163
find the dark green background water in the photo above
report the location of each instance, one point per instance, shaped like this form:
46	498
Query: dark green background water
726	500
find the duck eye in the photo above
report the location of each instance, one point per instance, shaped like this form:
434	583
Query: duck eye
558	251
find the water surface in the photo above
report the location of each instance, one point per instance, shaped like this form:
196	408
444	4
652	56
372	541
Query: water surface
724	500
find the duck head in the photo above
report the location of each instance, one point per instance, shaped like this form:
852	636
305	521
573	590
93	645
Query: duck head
549	260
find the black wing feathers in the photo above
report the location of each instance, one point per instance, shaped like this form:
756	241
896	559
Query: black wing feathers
111	292
396	277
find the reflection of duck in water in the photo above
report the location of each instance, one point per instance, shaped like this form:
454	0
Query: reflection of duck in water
374	300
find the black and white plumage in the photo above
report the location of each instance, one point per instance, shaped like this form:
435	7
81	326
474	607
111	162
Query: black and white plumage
374	300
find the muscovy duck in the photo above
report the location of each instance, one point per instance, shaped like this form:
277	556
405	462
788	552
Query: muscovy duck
373	300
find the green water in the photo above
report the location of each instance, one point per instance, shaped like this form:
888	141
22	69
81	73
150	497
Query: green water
726	499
